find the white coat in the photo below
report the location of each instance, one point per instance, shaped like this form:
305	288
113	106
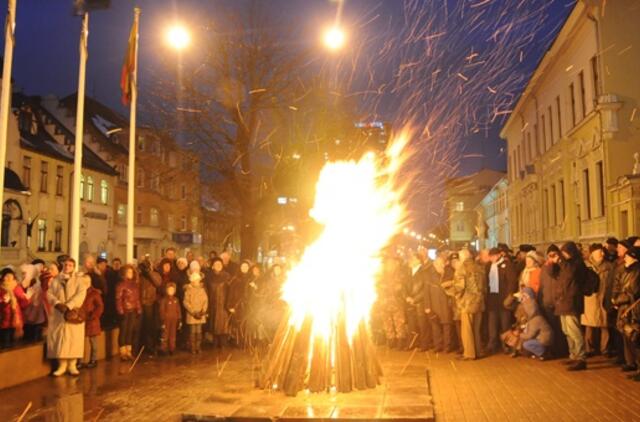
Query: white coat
64	340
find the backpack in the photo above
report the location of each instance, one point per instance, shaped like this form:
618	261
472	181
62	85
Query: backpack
591	283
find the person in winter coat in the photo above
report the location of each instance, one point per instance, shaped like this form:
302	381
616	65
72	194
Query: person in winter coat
150	285
65	337
469	293
530	275
218	290
537	335
93	308
170	318
34	312
167	274
418	322
12	299
629	292
196	303
112	277
503	282
236	300
437	306
569	302
129	309
595	314
546	301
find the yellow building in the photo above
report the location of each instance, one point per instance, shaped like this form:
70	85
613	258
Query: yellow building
36	218
573	133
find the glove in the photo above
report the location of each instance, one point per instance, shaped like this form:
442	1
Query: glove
232	310
427	311
62	307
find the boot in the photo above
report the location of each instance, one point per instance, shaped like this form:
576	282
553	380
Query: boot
63	364
193	338
73	369
580	365
123	353
198	342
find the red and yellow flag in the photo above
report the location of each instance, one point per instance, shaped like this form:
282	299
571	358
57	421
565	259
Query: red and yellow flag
129	65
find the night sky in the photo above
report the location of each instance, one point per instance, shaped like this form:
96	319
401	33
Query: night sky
452	69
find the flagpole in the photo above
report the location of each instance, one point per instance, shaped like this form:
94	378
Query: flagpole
74	231
131	184
5	94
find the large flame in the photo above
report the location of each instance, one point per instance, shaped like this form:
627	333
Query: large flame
358	204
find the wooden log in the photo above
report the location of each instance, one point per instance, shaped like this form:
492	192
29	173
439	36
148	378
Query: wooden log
344	379
320	370
298	362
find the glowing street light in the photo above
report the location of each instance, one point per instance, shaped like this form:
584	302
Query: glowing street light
334	38
178	37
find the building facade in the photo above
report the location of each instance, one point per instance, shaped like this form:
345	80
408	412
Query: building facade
572	135
493	215
463	194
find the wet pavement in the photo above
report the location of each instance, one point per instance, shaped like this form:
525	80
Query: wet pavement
213	384
497	388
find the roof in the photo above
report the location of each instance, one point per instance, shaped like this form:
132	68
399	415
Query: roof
545	61
44	143
100	120
12	181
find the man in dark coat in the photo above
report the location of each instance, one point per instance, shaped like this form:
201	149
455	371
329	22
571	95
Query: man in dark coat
503	282
112	276
569	303
547	300
628	293
438	306
415	301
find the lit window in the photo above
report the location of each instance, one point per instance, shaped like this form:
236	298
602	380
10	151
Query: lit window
138	215
89	188
194	224
42	234
104	192
183	223
459	206
44	176
58	237
140	178
154	217
59	180
82	186
122	214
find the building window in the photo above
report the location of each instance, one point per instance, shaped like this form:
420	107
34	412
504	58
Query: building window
583	99
123	172
44	176
194	224
104	192
559	111
528	157
57	245
562	204
82	187
601	191
551	134
42	234
155	181
140	178
572	93
183	223
183	191
595	77
170	222
154	217
139	215
59	180
554	207
141	143
459	206
545	208
89	188
26	171
586	194
122	214
544	133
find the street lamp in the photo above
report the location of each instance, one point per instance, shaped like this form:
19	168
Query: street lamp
334	38
178	37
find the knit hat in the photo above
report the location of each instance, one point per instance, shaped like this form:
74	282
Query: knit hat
194	267
195	277
536	257
612	241
594	247
182	262
634	252
553	248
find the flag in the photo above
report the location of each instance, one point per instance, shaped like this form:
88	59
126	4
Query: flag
129	65
80	7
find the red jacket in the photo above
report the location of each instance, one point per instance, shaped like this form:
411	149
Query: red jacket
9	318
170	309
93	308
128	297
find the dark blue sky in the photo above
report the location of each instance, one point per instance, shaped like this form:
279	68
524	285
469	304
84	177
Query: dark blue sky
450	67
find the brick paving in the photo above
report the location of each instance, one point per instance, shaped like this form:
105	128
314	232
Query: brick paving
497	388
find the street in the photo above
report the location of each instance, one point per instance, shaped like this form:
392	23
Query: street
494	388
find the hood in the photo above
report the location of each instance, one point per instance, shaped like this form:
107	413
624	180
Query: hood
530	305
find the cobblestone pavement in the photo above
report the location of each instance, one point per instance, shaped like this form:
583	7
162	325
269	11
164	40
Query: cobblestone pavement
493	389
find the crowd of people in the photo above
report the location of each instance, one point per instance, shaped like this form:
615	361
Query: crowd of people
573	301
159	307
